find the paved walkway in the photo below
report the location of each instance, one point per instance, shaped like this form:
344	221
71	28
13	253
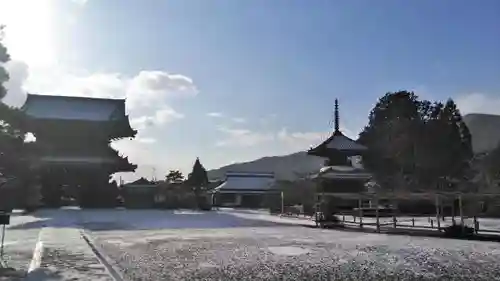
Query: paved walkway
62	254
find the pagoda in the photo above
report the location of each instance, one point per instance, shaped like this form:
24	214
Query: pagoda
73	136
343	173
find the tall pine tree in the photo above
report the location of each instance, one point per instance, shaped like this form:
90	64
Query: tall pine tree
391	135
198	180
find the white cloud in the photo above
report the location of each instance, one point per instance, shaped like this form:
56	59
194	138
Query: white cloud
162	116
292	140
478	103
147	90
243	137
301	140
239	120
80	2
215	114
146	140
150	87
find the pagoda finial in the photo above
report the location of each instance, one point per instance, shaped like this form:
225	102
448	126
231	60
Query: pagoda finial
337	125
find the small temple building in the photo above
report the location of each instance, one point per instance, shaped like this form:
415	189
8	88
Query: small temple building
244	189
343	172
73	136
140	194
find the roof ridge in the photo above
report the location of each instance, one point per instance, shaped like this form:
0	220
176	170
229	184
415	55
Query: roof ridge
74	97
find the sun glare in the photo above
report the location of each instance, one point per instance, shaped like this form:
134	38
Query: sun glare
29	31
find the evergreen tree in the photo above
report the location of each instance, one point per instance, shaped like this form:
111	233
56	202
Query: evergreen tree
416	144
391	135
198	180
449	150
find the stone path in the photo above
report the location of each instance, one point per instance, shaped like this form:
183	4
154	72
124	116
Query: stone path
66	256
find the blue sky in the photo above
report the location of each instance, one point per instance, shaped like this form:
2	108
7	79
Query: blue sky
272	69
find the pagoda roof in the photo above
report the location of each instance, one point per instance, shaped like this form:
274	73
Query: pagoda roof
337	142
73	108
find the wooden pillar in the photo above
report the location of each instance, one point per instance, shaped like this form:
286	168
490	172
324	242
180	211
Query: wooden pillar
437	212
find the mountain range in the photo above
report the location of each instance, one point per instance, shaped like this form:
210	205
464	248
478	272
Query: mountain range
484	128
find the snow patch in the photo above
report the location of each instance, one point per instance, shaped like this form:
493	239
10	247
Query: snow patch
188	212
120	242
288	251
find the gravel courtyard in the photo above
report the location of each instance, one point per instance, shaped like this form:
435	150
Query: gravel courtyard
252	250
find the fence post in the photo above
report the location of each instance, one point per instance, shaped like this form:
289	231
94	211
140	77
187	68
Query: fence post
282	203
360	204
438	213
476	225
461	213
377	214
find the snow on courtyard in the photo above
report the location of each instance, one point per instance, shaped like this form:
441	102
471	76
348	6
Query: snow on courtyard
236	245
252	245
297	253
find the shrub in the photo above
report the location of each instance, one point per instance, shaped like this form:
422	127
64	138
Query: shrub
457	231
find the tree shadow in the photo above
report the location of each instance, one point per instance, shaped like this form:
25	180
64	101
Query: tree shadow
207	220
108	220
31	225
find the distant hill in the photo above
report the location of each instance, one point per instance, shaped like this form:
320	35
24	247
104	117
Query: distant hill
485	130
287	167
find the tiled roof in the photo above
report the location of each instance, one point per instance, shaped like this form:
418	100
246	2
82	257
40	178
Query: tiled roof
246	182
73	108
339	142
142	181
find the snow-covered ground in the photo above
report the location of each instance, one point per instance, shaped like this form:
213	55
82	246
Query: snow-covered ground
234	245
296	253
253	245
